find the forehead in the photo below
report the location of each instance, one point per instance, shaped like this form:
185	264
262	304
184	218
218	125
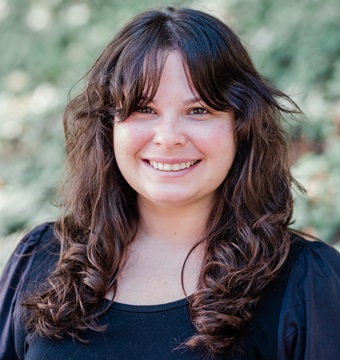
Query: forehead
171	70
175	84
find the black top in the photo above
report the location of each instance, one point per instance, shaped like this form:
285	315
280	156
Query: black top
297	318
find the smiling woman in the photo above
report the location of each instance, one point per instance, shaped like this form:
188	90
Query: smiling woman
173	241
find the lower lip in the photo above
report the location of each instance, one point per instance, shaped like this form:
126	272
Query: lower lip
176	173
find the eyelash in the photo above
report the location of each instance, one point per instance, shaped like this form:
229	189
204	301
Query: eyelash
194	111
201	111
145	110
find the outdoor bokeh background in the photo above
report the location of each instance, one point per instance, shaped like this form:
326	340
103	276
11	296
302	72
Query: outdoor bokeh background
47	46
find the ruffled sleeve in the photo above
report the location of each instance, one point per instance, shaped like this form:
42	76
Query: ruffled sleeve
30	264
309	327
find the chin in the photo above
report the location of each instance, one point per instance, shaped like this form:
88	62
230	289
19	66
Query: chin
177	199
171	199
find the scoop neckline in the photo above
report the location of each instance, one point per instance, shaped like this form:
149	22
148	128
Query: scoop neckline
149	308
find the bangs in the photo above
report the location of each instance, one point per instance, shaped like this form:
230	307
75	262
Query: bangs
141	49
206	51
215	61
138	83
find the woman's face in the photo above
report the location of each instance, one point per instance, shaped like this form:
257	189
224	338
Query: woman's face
175	151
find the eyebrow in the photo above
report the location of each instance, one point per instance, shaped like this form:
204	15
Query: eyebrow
187	101
193	101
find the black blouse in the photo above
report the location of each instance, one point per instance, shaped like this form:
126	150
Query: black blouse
297	318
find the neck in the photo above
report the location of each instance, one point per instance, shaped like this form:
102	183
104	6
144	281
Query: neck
172	226
152	272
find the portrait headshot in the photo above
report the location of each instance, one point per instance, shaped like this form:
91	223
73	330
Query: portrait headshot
174	209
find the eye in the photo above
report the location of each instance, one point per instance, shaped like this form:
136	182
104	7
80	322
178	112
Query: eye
145	110
199	111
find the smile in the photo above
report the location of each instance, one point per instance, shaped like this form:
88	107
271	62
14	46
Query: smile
172	167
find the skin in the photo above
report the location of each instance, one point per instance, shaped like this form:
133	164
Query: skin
174	152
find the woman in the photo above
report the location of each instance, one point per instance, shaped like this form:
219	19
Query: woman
173	242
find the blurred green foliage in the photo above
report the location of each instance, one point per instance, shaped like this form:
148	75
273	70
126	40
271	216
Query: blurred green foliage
47	46
297	46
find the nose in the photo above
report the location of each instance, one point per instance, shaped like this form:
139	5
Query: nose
169	132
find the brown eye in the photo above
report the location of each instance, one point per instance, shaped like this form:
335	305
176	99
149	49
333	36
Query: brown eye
145	110
198	111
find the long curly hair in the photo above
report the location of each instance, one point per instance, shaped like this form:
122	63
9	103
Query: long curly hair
247	238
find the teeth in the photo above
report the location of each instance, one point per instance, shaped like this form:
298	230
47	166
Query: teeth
172	167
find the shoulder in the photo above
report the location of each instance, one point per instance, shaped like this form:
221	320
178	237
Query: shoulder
44	254
34	251
39	236
310	315
34	258
39	241
315	269
314	259
36	239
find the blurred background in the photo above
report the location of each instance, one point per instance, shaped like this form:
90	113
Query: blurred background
48	45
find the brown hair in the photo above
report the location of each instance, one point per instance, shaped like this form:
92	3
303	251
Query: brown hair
247	239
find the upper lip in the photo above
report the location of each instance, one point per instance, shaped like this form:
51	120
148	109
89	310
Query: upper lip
171	161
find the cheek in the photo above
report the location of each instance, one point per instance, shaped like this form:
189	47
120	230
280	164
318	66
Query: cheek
219	141
120	138
128	139
123	148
